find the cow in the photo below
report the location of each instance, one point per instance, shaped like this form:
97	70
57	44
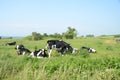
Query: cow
61	46
11	43
90	50
41	53
22	50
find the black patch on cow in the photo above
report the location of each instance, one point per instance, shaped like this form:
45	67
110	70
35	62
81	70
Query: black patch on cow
11	43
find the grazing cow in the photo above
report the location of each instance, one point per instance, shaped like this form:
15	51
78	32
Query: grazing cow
22	50
90	50
60	46
11	43
41	53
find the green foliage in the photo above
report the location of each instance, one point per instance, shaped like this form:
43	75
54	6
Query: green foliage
103	65
36	36
84	53
117	36
57	35
28	37
67	67
90	35
70	33
110	48
45	35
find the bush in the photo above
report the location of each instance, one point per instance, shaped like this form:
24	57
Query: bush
90	35
36	36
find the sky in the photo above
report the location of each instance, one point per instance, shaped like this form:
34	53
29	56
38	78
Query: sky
22	17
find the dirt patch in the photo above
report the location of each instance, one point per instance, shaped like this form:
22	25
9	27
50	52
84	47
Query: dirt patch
110	41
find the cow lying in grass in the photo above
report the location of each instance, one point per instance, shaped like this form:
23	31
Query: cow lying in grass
41	53
22	50
90	50
11	43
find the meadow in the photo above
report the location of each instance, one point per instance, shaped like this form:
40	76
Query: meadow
103	65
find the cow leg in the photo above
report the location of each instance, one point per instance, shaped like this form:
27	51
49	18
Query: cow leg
47	46
19	53
62	52
23	53
49	52
59	52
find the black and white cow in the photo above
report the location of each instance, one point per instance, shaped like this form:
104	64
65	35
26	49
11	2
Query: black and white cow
22	50
90	50
41	53
11	43
61	46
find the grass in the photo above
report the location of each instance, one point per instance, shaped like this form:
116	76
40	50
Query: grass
104	65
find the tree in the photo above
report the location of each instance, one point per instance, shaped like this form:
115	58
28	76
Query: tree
57	35
70	33
117	36
90	35
36	36
45	35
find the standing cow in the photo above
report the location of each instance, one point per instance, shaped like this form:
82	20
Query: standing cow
61	46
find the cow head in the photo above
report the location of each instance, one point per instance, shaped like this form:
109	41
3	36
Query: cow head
19	47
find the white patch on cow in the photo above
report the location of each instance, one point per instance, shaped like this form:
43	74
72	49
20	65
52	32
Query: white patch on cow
32	54
43	51
92	50
74	50
39	53
23	53
17	47
53	46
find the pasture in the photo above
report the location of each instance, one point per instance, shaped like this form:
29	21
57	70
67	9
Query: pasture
103	65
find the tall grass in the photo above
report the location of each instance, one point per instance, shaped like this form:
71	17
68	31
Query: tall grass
103	65
65	68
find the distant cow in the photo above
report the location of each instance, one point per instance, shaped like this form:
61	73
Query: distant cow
90	50
11	43
61	46
41	53
22	50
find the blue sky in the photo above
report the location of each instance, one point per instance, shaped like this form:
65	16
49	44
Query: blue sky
22	17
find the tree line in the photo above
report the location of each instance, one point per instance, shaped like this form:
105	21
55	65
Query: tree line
69	34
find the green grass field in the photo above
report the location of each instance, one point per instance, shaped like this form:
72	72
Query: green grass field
103	65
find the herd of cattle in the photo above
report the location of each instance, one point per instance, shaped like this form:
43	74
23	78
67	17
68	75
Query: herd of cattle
59	45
